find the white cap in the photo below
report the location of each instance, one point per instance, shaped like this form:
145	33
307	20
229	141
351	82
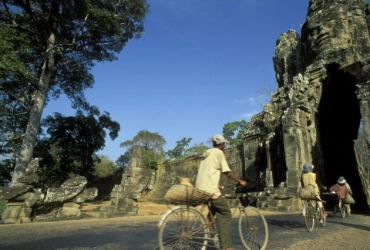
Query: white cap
218	139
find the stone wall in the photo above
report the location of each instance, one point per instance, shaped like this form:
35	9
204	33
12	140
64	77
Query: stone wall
168	172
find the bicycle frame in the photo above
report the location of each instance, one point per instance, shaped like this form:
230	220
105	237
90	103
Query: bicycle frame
341	208
211	218
311	212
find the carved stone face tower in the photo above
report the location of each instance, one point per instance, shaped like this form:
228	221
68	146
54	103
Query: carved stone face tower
323	99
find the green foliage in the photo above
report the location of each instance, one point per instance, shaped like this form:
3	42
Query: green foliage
48	48
124	160
233	132
363	4
104	167
13	48
6	168
151	159
14	99
71	145
196	149
146	140
180	148
2	206
151	145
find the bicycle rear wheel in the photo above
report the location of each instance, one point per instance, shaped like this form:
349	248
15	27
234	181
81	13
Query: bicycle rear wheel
253	229
309	218
323	219
183	227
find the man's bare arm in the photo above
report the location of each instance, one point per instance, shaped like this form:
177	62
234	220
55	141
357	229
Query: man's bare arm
232	176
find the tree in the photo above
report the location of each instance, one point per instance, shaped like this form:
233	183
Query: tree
196	149
14	99
233	132
72	143
180	148
104	167
63	40
151	145
124	160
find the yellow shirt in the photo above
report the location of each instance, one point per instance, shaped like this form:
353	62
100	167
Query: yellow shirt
310	179
213	164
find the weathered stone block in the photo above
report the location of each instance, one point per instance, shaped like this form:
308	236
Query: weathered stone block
78	181
25	212
7	193
67	212
87	195
71	205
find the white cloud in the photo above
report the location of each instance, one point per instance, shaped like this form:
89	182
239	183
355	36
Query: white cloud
240	101
248	116
256	100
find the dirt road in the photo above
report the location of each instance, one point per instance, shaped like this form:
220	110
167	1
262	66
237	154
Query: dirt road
287	232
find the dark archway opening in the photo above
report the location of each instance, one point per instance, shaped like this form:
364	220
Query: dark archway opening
339	119
277	157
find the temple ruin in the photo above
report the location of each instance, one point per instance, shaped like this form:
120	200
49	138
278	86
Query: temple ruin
323	99
322	102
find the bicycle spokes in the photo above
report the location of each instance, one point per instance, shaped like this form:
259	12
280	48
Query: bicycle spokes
184	228
253	229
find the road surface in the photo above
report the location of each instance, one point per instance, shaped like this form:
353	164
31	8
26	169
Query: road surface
287	232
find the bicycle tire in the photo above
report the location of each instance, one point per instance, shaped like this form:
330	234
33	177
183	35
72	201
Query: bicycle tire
183	227
323	219
309	218
342	210
253	229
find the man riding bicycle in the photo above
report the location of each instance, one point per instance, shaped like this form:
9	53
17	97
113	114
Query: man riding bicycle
342	190
208	179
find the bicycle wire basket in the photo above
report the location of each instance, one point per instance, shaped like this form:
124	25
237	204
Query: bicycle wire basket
186	195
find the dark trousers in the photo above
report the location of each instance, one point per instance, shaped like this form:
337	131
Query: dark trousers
221	209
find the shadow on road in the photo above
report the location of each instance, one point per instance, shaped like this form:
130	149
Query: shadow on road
350	223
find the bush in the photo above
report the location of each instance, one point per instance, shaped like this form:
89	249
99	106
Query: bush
2	206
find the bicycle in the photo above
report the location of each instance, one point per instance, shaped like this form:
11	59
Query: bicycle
195	227
340	207
311	212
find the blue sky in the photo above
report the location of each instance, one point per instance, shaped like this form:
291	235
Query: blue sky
199	65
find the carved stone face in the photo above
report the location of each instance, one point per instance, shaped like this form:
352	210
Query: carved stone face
331	34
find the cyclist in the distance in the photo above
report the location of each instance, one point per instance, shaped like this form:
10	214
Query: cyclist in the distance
341	187
208	179
309	178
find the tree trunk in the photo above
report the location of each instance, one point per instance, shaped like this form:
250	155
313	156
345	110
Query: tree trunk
38	103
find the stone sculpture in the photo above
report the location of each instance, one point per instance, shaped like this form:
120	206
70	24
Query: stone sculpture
26	203
136	181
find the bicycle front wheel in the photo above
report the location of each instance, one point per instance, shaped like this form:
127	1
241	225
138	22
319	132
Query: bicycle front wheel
183	227
323	219
343	210
309	218
253	229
